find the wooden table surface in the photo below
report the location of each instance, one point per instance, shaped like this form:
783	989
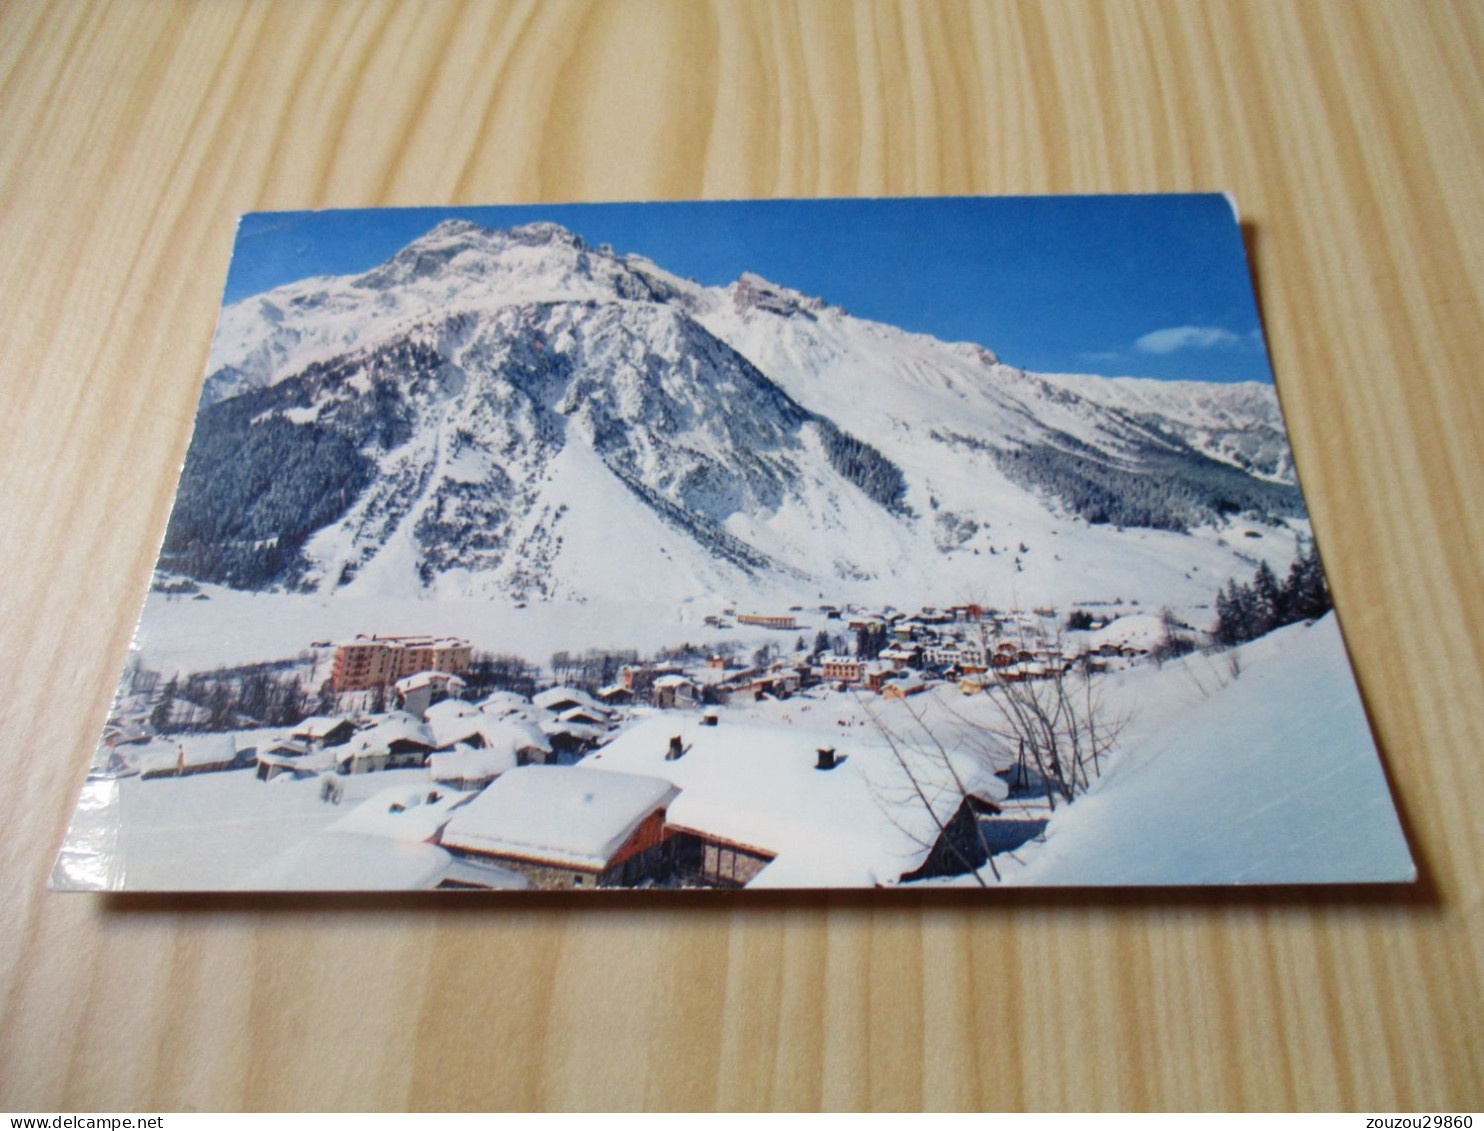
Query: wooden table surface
131	136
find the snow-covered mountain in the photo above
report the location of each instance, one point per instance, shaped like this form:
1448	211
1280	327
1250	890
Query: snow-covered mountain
519	416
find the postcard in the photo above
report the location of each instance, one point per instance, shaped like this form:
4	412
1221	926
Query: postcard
773	544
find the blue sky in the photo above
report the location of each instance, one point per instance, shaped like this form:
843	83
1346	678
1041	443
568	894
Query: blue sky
1154	286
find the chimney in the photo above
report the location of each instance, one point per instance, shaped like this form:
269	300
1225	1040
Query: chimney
826	758
676	749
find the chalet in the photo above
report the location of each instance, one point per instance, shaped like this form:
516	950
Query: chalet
701	859
588	715
469	768
777	683
281	756
900	658
901	688
451	719
511	735
502	704
527	740
571	738
614	695
717	672
320	731
876	673
674	691
1023	670
402	812
396	743
559	699
636	678
567	827
192	754
960	844
754	807
416	693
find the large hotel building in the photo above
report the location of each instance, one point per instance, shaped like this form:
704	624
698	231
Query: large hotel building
369	662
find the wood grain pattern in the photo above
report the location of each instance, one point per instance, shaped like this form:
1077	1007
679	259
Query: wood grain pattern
1351	134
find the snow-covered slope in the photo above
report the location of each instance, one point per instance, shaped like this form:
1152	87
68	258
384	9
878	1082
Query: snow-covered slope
516	415
1197	794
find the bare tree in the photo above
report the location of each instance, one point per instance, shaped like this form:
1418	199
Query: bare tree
1055	723
936	782
1043	720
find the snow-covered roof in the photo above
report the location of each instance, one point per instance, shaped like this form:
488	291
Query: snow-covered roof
504	702
582	714
572	730
317	726
519	734
1028	668
562	814
1143	630
403	812
299	763
189	749
408	684
399	728
465	763
560	698
464	722
857	825
905	685
476	872
674	681
333	862
449	709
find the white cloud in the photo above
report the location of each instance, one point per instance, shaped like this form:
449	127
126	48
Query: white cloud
1174	338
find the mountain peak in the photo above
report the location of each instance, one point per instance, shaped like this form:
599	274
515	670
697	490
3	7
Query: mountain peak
455	227
973	351
544	232
753	292
463	248
460	234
